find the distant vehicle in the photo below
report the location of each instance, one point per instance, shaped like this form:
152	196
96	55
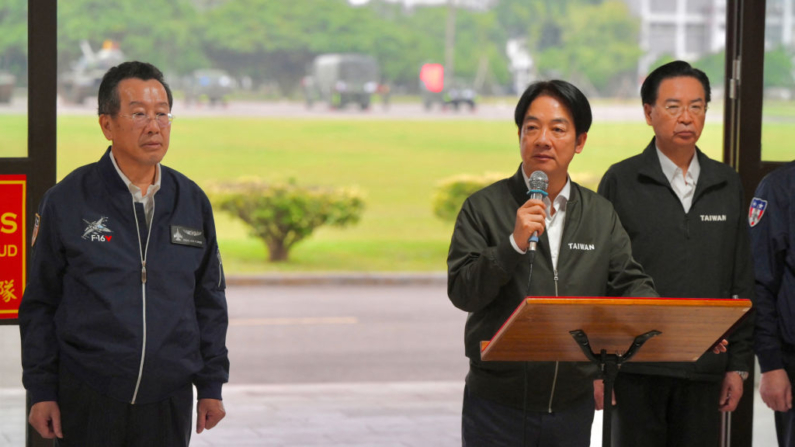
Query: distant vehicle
213	84
459	93
83	79
7	81
435	88
340	79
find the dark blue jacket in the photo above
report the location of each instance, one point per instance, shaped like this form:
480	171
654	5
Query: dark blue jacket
774	263
87	307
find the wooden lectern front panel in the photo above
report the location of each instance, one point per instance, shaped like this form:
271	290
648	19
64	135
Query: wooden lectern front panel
539	328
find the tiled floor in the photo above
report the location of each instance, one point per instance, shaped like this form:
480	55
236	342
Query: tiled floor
406	414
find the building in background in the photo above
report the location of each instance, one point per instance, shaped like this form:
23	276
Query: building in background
691	29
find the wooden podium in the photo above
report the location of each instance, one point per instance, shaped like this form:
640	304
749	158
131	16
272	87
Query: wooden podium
611	331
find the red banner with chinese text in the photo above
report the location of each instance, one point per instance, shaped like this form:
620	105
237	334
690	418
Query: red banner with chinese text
13	189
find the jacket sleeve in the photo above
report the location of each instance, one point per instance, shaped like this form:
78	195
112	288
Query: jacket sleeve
211	314
40	352
626	276
477	269
740	349
769	246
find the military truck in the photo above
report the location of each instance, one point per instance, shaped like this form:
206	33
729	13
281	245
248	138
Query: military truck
341	79
83	79
7	81
210	83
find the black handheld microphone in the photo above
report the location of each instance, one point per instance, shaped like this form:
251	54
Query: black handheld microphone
538	190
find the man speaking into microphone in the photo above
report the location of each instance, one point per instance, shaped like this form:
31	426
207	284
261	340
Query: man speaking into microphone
581	250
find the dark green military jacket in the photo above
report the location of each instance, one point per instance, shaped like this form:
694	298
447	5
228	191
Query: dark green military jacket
488	278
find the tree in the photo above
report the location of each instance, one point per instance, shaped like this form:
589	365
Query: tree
160	32
714	66
283	214
599	42
778	68
14	38
277	40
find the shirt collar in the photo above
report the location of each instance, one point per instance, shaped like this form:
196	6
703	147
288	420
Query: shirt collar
134	190
563	195
670	169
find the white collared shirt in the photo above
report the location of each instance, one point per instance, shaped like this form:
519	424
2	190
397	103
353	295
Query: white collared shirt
554	223
138	196
684	187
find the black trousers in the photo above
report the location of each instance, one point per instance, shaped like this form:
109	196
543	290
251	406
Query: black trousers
90	419
489	424
654	411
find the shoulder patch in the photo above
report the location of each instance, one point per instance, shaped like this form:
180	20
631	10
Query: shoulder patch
756	211
36	223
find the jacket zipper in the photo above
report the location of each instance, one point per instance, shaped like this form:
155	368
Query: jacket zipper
142	252
557	364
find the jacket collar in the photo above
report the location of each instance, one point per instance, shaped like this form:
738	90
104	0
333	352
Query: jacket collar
118	190
650	168
518	188
114	183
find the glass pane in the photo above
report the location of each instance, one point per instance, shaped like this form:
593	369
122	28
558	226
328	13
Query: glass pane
13	79
13	144
663	6
778	110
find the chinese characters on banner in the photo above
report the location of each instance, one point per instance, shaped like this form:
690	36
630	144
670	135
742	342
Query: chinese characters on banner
12	244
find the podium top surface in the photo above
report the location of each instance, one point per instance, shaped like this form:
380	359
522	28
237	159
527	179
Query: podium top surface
538	330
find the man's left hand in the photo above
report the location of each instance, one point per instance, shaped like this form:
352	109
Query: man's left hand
721	347
209	414
731	391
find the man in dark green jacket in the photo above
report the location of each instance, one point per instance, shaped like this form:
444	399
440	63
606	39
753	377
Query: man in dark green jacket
582	251
686	217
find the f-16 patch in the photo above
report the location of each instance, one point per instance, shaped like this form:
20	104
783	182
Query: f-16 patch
756	211
97	231
187	236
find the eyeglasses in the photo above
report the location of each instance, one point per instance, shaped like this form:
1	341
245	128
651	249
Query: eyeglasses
141	119
676	110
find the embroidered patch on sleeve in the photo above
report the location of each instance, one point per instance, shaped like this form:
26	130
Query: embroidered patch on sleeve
756	211
36	223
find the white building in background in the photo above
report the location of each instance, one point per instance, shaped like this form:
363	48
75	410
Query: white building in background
779	23
683	29
520	64
690	29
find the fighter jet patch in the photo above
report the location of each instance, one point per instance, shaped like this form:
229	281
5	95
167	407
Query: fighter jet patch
97	231
756	211
187	236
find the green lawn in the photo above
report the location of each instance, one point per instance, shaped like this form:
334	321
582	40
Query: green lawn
395	163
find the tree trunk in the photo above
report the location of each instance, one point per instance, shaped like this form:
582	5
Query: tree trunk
278	252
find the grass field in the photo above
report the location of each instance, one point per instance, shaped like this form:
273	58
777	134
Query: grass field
397	164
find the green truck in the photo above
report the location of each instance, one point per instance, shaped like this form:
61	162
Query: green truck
341	79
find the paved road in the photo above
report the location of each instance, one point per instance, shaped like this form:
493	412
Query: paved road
500	110
344	334
336	365
323	334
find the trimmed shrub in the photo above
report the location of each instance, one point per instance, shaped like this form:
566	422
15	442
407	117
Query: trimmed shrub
452	191
283	214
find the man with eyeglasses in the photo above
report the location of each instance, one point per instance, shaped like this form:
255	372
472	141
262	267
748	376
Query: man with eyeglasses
125	308
686	218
